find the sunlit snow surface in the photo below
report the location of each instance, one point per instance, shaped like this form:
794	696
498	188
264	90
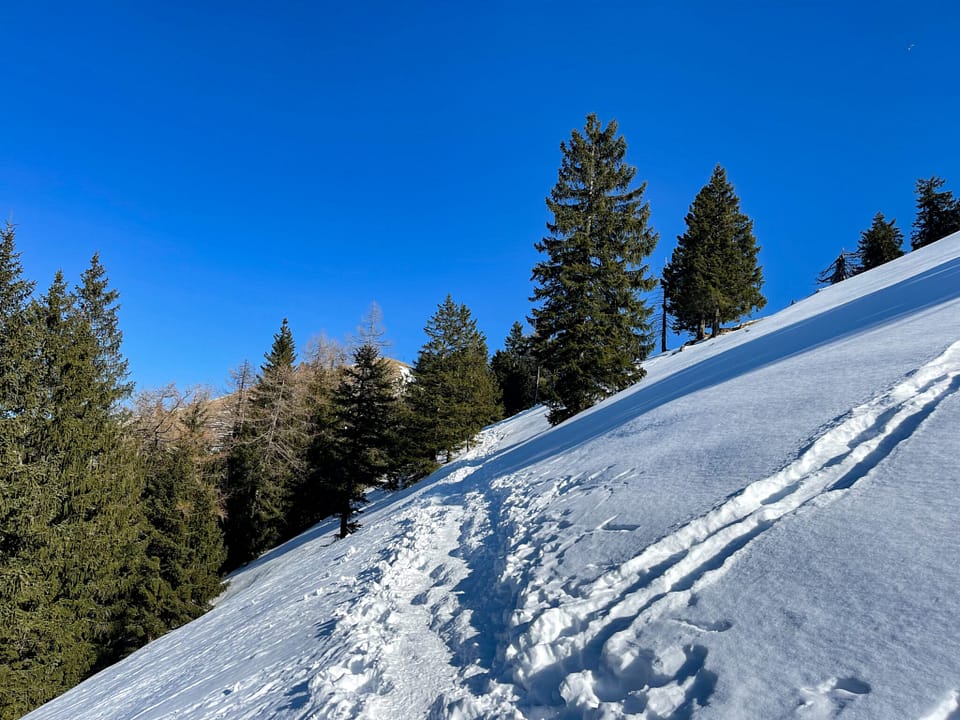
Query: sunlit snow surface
765	527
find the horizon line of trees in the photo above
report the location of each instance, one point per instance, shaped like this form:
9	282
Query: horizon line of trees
121	514
938	215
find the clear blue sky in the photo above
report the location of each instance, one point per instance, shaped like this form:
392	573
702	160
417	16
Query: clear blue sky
236	162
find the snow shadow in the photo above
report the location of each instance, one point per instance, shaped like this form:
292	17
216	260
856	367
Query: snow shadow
887	305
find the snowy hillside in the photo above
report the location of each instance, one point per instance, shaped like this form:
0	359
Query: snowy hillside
765	527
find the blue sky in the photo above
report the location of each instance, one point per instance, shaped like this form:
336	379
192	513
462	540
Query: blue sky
237	163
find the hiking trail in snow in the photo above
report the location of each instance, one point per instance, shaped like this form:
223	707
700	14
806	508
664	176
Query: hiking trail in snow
610	648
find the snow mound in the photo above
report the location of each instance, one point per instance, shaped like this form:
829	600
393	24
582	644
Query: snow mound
764	527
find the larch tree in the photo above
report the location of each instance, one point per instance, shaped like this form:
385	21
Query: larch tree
880	244
592	323
713	275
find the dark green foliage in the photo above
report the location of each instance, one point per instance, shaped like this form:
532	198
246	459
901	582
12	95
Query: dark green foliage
182	507
312	499
515	368
713	276
845	266
453	394
268	456
365	415
938	214
72	563
592	326
880	244
84	577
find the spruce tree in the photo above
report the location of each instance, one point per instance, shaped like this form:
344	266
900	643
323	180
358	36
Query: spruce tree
592	326
515	368
453	394
32	628
880	244
713	276
365	412
72	606
938	214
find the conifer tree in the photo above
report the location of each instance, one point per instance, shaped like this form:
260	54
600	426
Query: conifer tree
182	508
515	368
313	500
938	214
592	326
72	605
880	244
365	412
15	291
268	456
453	394
713	276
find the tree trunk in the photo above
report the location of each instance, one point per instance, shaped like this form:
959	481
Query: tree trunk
715	330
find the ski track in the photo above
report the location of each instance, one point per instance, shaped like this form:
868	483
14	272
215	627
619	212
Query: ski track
618	646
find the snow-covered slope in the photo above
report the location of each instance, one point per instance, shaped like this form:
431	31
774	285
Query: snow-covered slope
765	527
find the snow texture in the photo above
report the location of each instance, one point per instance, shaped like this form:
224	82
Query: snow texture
764	527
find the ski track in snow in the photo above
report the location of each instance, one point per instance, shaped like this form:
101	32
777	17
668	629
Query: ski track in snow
611	649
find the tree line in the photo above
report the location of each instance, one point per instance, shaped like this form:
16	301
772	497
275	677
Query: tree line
120	513
938	215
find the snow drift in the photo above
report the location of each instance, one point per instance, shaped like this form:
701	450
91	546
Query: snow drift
765	527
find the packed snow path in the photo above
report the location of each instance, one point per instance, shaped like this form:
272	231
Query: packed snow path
765	527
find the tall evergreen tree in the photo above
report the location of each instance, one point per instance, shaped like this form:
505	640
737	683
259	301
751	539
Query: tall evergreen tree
515	368
880	244
592	326
97	304
713	276
31	629
453	394
365	411
268	456
15	291
938	214
72	604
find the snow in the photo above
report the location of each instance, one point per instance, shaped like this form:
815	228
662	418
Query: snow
764	527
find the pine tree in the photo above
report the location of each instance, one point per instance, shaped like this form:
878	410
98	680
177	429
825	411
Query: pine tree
938	214
365	411
515	368
592	326
880	244
713	276
453	394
